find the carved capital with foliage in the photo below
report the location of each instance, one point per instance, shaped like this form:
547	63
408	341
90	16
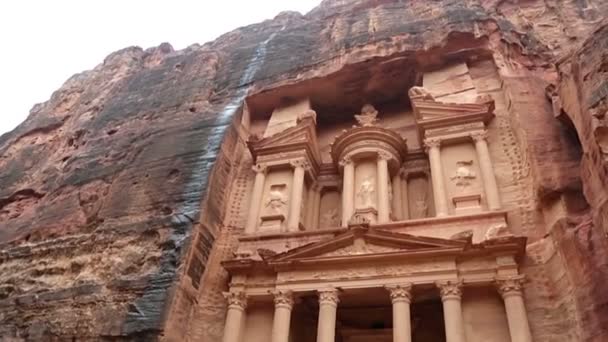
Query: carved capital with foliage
510	286
301	163
432	143
328	297
257	168
346	160
383	155
236	300
283	299
449	289
479	136
400	293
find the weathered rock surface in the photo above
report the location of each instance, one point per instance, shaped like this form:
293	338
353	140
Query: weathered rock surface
113	194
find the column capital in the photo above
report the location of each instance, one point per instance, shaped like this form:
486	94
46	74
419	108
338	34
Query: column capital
449	289
283	299
317	187
328	296
260	167
432	143
383	155
346	160
510	286
479	135
400	293
300	163
236	300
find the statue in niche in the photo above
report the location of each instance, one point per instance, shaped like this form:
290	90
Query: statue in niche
330	218
276	199
419	198
463	175
366	192
368	116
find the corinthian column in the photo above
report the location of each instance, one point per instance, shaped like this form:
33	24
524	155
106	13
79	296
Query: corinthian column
451	294
404	195
283	303
487	170
348	190
401	296
328	306
317	206
256	198
297	191
383	202
237	303
433	149
511	291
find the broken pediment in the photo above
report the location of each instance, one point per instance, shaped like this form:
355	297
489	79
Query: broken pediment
362	241
300	137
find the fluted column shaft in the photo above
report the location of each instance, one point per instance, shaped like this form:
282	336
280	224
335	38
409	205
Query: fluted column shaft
295	202
439	194
401	297
382	177
328	306
397	197
451	294
487	170
348	190
283	303
511	291
256	199
237	303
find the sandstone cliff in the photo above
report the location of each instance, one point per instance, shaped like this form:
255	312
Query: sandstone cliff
112	193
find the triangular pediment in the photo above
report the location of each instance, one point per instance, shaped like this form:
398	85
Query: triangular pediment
301	136
365	241
426	110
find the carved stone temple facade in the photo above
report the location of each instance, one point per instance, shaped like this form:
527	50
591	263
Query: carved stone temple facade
382	224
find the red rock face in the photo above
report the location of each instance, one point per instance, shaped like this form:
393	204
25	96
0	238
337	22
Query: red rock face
114	193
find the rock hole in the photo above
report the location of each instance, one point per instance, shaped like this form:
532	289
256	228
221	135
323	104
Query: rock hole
111	132
173	174
166	211
192	109
71	142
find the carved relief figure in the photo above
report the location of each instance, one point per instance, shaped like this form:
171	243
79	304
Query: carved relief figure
463	175
366	192
330	218
368	116
277	200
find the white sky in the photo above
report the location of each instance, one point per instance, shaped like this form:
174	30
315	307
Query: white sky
44	42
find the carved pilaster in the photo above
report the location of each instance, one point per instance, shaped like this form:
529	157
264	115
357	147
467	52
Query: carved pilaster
400	293
449	289
510	286
236	300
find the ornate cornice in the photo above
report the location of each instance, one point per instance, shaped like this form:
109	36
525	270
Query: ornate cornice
510	286
400	292
283	299
328	297
449	289
236	300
